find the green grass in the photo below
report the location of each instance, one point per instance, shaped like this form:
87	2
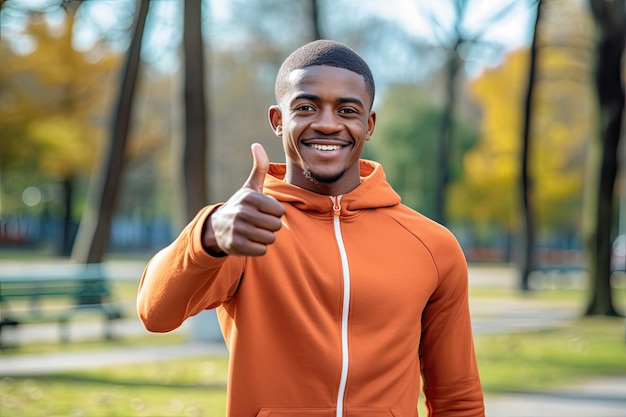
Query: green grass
179	388
516	362
149	339
527	361
562	296
534	360
45	253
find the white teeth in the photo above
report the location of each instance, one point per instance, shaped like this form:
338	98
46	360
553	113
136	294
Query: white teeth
326	147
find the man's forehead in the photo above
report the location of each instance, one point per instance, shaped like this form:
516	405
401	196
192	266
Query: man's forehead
323	73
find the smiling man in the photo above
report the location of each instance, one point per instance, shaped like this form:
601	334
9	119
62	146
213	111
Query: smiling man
334	299
324	117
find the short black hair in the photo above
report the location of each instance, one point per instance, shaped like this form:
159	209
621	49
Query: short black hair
324	52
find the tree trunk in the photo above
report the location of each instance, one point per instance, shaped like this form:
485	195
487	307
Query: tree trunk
453	64
610	18
315	19
68	182
193	165
528	219
93	234
67	239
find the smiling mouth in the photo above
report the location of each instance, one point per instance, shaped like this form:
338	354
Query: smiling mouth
326	147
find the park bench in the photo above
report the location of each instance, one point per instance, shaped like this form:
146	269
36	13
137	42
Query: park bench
557	275
56	296
559	268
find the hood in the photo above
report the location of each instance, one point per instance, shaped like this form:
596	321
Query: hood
374	191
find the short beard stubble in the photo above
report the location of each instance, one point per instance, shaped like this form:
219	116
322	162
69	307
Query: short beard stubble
327	180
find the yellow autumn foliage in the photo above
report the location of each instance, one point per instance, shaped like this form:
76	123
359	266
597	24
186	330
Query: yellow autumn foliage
562	126
54	98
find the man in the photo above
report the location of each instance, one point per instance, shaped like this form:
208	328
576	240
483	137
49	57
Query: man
333	298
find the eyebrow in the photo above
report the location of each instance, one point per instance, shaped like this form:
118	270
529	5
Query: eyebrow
313	97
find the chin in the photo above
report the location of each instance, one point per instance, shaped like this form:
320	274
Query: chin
322	178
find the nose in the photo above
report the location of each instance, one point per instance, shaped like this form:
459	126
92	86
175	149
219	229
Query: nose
326	121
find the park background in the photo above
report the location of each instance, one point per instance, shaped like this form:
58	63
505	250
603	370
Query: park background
499	119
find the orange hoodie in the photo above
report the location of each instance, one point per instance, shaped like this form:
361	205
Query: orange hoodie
358	297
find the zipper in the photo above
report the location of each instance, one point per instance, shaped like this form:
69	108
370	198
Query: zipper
346	304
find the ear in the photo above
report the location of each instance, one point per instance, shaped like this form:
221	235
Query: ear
275	116
371	123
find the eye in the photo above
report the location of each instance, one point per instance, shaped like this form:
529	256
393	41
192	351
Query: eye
348	110
305	107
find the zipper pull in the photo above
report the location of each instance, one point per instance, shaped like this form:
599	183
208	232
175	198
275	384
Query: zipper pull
336	205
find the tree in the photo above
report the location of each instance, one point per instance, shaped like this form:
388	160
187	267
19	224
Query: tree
526	261
93	233
316	19
610	20
561	128
300	19
405	140
51	94
192	165
454	41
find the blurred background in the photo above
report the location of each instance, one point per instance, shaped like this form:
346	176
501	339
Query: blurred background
501	119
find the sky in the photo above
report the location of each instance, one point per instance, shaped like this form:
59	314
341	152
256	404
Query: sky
163	31
511	31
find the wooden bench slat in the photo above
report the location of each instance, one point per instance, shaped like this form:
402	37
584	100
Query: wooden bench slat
77	290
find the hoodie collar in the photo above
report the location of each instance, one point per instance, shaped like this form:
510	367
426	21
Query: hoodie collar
373	192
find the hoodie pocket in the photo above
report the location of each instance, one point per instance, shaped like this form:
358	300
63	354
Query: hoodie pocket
327	412
371	412
296	412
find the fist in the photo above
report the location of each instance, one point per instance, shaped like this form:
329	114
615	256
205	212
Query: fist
249	219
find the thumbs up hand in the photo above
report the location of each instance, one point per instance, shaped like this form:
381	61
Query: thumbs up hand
246	223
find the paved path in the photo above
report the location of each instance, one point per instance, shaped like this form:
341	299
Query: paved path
70	361
602	397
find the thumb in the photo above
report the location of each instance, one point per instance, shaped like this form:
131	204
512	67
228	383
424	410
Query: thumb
260	166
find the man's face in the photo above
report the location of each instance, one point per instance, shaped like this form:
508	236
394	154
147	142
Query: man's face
324	121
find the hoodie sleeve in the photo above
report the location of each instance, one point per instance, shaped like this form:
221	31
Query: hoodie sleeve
182	279
451	380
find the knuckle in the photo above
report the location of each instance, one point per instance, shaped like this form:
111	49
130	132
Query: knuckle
276	225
